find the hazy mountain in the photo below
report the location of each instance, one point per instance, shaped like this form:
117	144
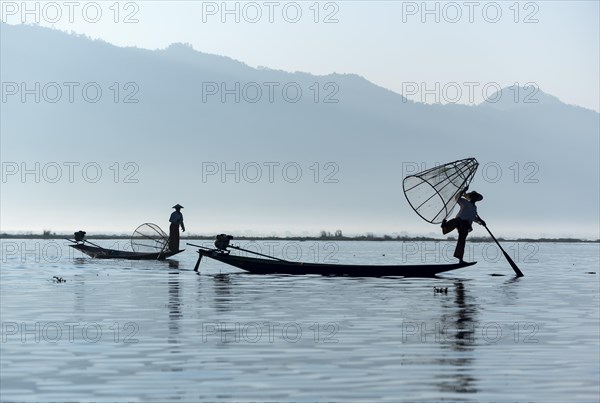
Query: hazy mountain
167	114
520	97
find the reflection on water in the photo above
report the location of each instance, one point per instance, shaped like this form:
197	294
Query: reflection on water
174	307
174	304
157	331
510	290
463	320
222	287
79	261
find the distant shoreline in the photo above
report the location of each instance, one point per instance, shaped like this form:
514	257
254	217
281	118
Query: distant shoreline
368	237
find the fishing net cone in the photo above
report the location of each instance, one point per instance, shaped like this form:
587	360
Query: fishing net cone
149	238
433	193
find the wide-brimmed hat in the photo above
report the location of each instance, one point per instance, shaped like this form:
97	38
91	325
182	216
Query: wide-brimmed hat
474	196
178	206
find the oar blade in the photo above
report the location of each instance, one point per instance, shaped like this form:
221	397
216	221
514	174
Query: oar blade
514	266
518	272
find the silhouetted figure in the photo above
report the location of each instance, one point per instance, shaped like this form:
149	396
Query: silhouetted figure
176	220
463	221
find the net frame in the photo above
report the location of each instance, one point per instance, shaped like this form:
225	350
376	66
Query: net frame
155	240
458	174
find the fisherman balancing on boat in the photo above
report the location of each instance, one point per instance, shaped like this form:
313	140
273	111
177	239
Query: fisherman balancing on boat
176	220
463	221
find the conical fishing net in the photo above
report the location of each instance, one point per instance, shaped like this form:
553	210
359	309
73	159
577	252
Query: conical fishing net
433	193
149	238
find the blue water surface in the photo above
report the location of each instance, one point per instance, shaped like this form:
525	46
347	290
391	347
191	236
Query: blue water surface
76	328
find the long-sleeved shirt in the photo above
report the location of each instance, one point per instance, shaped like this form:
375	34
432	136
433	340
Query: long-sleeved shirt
468	210
176	217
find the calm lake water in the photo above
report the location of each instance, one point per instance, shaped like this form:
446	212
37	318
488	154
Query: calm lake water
157	331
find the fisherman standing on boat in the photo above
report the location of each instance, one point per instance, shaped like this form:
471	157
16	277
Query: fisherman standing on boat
463	221
176	220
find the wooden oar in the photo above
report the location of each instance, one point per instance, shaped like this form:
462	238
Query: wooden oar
510	261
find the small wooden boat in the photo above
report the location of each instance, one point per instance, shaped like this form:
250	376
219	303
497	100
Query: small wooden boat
102	253
279	266
148	242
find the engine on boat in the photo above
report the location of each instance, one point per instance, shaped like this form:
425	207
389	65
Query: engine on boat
80	236
222	241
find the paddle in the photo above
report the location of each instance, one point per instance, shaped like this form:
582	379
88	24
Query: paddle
510	261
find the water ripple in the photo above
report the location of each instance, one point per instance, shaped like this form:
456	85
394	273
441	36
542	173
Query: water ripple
157	331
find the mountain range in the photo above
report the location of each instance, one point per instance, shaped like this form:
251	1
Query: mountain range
256	150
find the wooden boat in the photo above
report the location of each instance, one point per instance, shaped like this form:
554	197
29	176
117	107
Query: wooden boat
102	253
279	266
148	242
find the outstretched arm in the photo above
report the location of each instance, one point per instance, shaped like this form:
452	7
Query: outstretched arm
479	221
460	195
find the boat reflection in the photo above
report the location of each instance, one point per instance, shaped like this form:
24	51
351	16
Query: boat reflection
222	286
174	302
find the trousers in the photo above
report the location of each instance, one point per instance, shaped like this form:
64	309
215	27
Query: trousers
174	237
463	227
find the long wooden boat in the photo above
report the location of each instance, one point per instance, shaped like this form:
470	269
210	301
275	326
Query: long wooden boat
278	266
102	253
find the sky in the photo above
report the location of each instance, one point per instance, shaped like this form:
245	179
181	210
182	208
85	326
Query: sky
461	48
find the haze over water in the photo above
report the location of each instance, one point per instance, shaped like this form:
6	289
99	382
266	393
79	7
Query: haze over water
157	331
